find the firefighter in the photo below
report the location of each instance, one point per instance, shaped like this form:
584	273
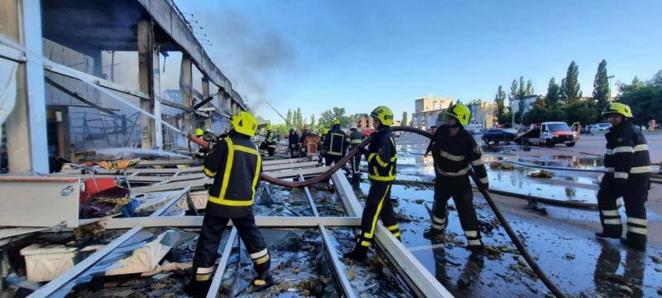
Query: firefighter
303	143
235	165
355	138
294	143
200	133
335	143
628	170
381	164
455	153
269	141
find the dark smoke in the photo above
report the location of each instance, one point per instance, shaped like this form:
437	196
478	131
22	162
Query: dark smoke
250	55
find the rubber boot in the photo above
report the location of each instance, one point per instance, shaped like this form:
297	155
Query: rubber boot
431	233
262	282
638	245
359	254
197	288
608	235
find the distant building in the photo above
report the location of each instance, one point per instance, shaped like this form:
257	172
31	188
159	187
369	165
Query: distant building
483	113
363	121
428	109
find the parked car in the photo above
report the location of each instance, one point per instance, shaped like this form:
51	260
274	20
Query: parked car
599	128
548	133
497	135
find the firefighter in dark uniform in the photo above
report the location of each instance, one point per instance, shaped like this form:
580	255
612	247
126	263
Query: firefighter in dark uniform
381	164
270	141
455	153
235	164
628	170
293	143
355	138
200	133
335	143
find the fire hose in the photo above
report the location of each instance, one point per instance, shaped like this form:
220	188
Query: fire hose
326	175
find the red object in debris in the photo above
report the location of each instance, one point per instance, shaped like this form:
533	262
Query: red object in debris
93	186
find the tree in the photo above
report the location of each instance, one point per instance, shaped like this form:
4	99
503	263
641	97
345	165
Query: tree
572	90
499	99
313	124
601	90
289	118
579	111
529	88
405	120
553	94
513	90
298	119
327	116
645	99
521	92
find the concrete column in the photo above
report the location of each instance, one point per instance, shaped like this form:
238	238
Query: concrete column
186	87
27	144
146	82
205	94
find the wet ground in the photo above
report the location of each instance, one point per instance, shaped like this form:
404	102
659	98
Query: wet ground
562	240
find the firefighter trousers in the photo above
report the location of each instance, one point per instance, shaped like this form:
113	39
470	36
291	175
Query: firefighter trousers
331	159
377	206
210	237
459	188
634	194
356	163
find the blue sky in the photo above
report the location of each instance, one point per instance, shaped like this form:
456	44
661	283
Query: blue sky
360	54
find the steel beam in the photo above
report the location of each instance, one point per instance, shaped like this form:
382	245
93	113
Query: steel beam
222	265
196	221
64	278
338	267
186	88
27	144
416	275
170	203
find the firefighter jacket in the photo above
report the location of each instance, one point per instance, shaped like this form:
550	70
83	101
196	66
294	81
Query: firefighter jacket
355	138
381	156
235	164
627	155
269	140
456	156
335	142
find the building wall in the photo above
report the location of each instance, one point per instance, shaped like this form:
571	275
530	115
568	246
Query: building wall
431	103
363	121
483	113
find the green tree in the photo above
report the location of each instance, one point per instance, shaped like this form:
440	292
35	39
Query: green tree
529	88
405	119
336	112
579	111
553	94
601	92
289	117
572	90
313	123
645	99
513	90
521	91
499	99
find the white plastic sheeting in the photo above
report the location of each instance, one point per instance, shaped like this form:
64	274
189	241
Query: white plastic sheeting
7	90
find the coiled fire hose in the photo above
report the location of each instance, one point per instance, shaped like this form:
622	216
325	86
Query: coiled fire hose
326	175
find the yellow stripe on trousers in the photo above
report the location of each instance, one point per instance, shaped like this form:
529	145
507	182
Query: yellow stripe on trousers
379	210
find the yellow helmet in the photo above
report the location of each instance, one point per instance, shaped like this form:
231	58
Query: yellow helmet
617	108
459	112
383	114
244	123
268	127
335	121
199	132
